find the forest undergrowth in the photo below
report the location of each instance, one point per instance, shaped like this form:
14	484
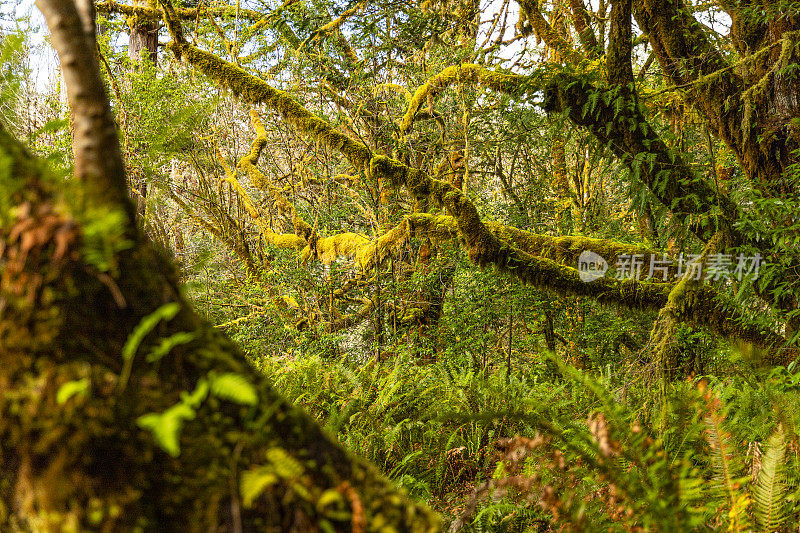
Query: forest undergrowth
550	447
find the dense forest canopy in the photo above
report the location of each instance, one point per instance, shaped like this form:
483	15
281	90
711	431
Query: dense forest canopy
535	261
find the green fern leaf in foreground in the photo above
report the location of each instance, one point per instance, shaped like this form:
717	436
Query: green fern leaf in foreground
769	490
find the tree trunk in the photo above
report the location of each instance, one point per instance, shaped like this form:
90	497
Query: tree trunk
143	40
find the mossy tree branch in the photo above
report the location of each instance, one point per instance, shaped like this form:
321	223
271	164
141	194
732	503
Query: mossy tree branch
720	93
144	13
617	120
614	116
582	23
531	20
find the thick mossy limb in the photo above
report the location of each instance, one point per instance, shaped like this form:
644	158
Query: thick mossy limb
564	249
144	13
694	302
81	462
297	240
485	248
663	341
366	253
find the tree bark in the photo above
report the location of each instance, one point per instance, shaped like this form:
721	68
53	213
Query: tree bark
143	38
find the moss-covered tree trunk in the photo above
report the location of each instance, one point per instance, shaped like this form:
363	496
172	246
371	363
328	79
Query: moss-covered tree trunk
121	410
143	37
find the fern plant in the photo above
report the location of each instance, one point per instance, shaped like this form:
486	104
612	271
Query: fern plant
769	492
617	472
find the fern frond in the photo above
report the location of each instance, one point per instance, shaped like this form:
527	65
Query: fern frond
728	467
770	489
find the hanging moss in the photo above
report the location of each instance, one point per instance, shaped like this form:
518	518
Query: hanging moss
328	249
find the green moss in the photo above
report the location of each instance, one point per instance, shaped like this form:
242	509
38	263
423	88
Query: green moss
465	73
256	91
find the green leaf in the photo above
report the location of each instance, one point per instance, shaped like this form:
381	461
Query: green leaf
770	489
235	388
166	345
254	482
70	389
166	312
166	427
284	465
196	398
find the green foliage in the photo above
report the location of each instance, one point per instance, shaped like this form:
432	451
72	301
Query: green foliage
72	388
13	74
769	493
166	313
234	388
166	426
445	384
104	236
166	345
572	455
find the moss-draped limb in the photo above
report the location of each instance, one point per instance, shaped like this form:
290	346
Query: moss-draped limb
398	89
367	253
467	73
564	249
485	248
663	337
614	116
144	13
327	249
259	179
255	91
718	92
622	125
